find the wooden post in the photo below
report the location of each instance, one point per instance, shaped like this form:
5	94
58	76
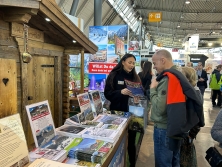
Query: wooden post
82	72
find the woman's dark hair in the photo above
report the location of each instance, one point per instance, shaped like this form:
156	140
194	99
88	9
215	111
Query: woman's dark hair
119	67
147	69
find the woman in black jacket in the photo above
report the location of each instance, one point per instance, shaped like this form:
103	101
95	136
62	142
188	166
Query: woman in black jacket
116	92
146	76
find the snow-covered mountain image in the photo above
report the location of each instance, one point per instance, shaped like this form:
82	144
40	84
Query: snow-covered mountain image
98	34
121	31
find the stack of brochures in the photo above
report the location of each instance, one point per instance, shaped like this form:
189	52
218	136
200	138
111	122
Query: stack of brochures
51	154
90	150
70	131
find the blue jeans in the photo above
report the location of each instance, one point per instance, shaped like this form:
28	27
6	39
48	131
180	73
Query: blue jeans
163	156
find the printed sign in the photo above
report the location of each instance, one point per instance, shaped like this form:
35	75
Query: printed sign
155	16
101	68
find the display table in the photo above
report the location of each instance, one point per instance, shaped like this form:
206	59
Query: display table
117	154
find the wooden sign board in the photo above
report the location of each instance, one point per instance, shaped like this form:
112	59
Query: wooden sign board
33	34
154	16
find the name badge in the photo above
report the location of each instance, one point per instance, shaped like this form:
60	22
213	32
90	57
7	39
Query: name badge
121	82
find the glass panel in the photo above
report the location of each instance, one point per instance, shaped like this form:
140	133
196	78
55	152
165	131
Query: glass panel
111	2
126	9
129	15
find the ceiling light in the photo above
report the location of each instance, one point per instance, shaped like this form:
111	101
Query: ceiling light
221	44
187	2
47	19
209	44
140	18
213	32
74	41
178	26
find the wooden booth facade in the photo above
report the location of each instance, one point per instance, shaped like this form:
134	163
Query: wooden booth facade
34	58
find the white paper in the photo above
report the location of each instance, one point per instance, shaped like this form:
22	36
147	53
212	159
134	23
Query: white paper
13	147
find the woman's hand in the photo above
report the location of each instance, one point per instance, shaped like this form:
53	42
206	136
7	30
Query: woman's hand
126	91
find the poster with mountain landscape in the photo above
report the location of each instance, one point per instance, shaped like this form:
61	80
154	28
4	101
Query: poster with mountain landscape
106	57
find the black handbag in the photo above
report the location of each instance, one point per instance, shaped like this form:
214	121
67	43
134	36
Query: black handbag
188	156
213	157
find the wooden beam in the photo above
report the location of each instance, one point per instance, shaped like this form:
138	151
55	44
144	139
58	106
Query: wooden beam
20	3
33	34
20	18
15	10
82	72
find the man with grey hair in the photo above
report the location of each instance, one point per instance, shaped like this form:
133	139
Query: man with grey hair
164	157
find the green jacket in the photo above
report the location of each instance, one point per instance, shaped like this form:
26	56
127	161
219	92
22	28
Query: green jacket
158	97
214	83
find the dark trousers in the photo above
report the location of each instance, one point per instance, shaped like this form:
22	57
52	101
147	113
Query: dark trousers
132	147
214	97
202	89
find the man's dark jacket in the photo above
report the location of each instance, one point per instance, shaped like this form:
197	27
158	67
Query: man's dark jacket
184	107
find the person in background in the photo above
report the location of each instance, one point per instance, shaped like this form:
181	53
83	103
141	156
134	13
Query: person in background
189	159
116	92
215	80
189	64
202	78
216	132
146	76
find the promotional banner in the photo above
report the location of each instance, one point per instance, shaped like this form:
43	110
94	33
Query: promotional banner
112	42
193	42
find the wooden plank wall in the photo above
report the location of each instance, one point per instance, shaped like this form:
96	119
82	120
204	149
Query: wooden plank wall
9	50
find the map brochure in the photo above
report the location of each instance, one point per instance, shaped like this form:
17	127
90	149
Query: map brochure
97	102
70	131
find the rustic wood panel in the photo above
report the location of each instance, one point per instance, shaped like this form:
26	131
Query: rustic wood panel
4	25
41	45
33	34
8	95
41	83
6	39
9	53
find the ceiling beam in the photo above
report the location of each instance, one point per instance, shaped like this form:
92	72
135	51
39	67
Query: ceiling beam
178	10
80	8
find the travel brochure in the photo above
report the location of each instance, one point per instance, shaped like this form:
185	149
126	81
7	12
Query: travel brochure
41	122
70	130
102	134
51	154
85	107
135	88
97	102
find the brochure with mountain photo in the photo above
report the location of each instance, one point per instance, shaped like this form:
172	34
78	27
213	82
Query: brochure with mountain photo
135	88
85	107
41	122
108	135
97	102
70	131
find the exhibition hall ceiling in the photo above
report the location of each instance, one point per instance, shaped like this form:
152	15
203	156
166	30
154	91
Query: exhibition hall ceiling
180	19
